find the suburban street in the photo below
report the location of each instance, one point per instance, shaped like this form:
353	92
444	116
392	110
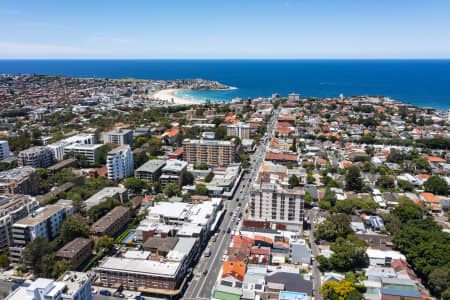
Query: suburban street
201	286
315	251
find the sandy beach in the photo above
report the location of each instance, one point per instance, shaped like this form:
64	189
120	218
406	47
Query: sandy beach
168	95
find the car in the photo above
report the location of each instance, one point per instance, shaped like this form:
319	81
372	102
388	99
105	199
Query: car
9	279
139	298
228	230
205	272
105	293
94	291
213	238
224	257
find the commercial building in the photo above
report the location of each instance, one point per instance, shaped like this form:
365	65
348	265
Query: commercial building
72	286
118	193
119	136
271	202
4	150
12	209
82	138
119	163
36	157
211	152
77	251
241	130
111	223
173	172
151	170
22	180
153	276
45	223
88	150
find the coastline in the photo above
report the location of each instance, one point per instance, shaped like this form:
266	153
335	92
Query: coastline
169	96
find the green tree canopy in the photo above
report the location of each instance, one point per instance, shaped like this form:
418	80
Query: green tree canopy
353	181
105	243
407	210
134	184
436	185
333	227
188	178
201	189
293	181
72	228
172	189
209	177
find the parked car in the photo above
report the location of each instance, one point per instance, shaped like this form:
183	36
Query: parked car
139	298
105	293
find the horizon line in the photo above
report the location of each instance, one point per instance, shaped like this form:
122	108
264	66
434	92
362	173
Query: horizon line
227	58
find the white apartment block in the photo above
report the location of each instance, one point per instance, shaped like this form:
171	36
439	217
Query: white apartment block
241	130
88	150
270	202
72	286
293	97
4	150
119	136
119	163
45	223
82	138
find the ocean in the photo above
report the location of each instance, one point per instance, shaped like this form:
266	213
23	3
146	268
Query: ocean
424	83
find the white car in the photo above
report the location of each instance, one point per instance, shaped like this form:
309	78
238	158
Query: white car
94	291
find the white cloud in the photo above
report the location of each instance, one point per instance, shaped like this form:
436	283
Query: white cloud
20	50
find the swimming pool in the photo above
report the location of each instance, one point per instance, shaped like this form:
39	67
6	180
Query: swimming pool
129	238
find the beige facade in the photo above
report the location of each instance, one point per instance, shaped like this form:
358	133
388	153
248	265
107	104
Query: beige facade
211	152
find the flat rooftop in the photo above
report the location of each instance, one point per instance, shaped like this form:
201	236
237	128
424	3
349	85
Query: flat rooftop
40	215
152	166
104	193
17	173
138	266
118	149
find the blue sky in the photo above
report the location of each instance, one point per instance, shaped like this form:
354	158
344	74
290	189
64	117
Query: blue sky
225	29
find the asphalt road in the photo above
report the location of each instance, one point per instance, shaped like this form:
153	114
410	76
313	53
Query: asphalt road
315	251
201	286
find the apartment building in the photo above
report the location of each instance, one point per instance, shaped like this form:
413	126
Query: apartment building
23	180
36	157
151	170
71	286
77	251
45	222
211	152
241	130
12	209
119	163
173	172
111	223
119	136
271	202
4	150
90	151
82	138
152	276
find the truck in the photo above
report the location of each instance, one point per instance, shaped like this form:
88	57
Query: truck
207	252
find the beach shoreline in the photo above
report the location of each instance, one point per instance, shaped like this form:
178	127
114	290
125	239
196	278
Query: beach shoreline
169	96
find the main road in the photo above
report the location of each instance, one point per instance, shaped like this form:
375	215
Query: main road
207	270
